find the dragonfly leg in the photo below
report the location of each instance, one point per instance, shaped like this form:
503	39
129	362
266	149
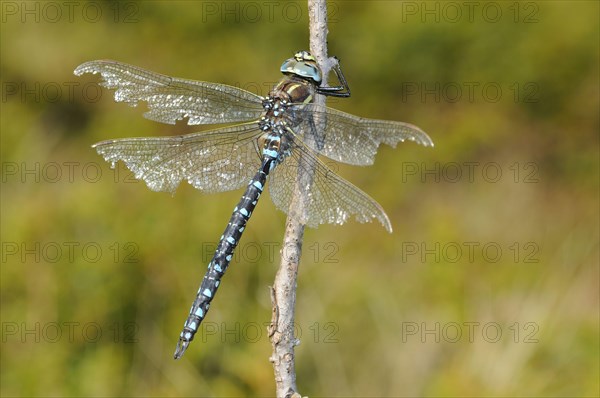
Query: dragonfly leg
336	91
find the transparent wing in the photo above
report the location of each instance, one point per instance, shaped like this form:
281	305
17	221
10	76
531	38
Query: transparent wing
170	99
213	161
347	138
327	199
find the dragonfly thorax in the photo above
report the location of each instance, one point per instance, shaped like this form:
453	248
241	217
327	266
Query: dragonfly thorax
290	90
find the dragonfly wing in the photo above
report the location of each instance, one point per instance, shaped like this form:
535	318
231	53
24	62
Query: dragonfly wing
170	99
327	198
350	139
214	161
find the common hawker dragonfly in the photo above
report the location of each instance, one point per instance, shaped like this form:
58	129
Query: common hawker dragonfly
280	135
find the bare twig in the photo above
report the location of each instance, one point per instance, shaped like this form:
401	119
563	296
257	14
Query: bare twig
283	292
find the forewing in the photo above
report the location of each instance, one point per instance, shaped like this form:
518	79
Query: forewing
213	161
326	197
347	138
170	99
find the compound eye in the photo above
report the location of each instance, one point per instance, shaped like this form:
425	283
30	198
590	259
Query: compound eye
304	66
308	71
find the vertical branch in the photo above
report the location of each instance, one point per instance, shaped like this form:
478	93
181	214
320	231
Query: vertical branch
317	13
283	292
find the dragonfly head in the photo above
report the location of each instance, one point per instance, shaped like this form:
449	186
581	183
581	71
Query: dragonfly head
304	66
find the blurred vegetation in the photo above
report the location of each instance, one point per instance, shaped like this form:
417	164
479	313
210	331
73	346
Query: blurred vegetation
84	254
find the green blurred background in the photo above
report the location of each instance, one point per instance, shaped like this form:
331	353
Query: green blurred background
487	287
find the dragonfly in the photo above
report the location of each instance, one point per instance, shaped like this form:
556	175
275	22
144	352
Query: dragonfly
280	137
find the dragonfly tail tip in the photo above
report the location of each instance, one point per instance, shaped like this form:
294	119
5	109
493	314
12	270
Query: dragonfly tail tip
180	349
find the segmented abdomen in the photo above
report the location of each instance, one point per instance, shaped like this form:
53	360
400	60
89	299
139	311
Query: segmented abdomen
220	261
